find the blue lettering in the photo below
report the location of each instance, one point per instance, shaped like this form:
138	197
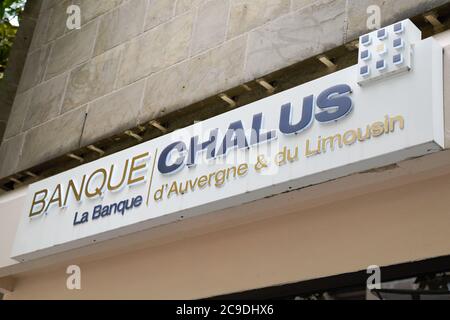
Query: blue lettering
305	121
234	137
196	147
166	168
137	202
97	212
335	102
120	207
257	137
84	218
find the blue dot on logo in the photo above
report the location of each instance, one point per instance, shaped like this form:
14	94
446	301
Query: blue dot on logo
381	65
364	71
398	43
398	28
366	40
365	55
397	59
382	34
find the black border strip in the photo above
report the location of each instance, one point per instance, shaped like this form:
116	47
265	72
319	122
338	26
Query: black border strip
348	280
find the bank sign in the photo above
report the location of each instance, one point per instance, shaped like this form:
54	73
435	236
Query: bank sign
367	116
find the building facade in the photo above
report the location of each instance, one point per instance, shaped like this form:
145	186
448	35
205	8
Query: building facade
136	73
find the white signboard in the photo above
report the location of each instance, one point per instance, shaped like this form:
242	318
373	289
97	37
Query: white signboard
322	130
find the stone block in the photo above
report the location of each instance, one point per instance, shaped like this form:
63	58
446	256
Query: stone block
7	94
58	18
34	69
159	11
120	25
45	102
295	37
29	20
194	80
40	31
210	26
10	151
32	9
52	139
157	49
91	80
49	4
18	113
300	4
2	128
113	114
92	9
249	14
391	12
71	50
186	5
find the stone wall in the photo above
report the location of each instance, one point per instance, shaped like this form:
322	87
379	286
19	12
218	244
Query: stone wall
136	60
18	55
